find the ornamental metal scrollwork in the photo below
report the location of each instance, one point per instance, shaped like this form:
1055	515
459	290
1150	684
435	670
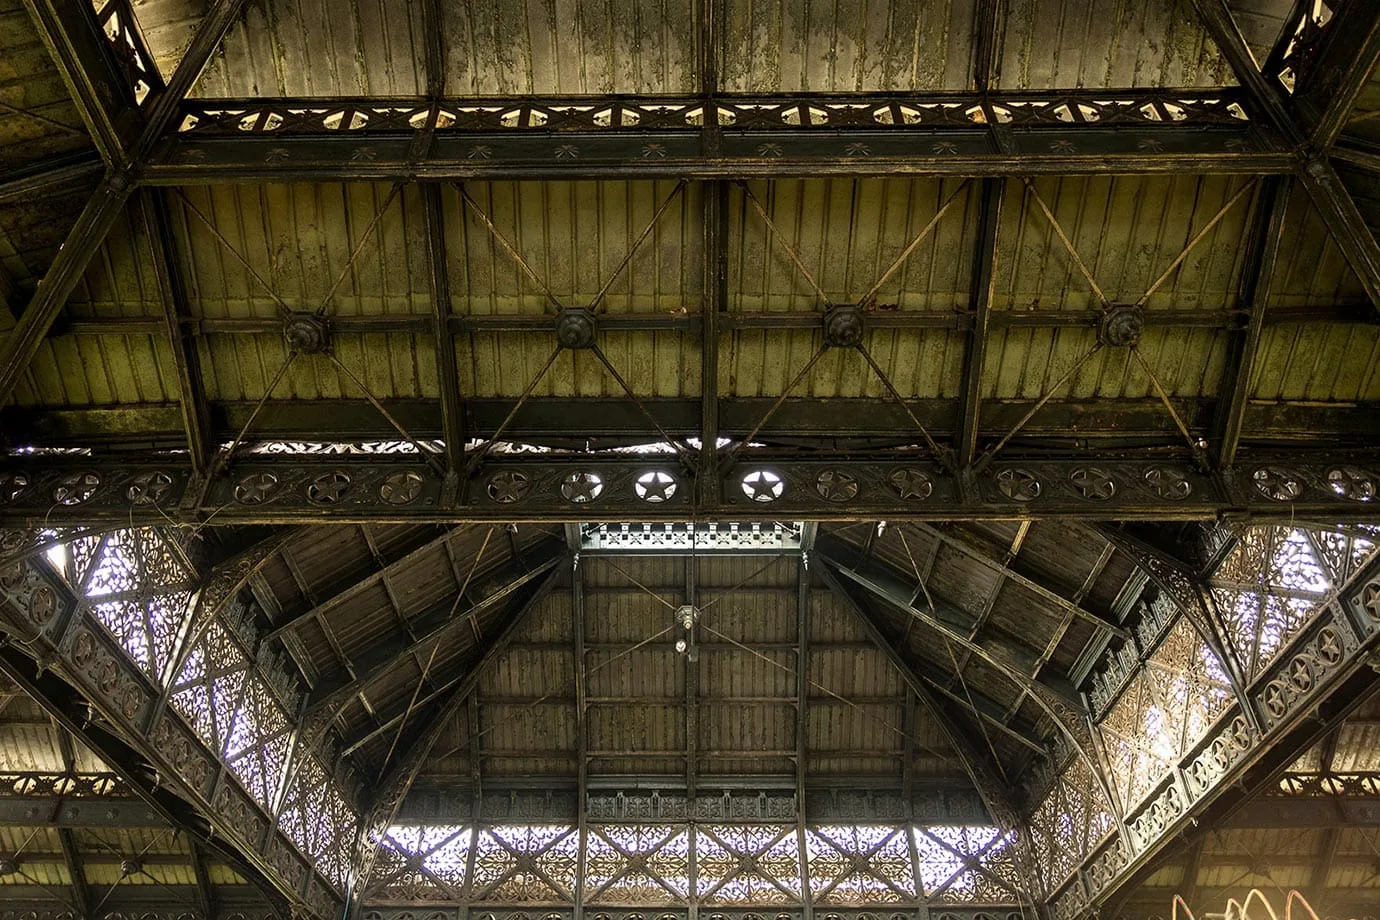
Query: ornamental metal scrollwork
1168	482
836	486
1093	484
401	488
1352	483
911	484
328	488
1277	483
102	670
1225	751
148	488
76	488
1298	677
1019	485
256	488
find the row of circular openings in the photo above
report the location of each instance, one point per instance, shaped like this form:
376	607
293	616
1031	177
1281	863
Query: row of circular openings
78	487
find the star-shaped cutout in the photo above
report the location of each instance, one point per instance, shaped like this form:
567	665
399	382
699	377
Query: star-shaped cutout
835	486
762	486
911	485
1370	599
507	487
582	487
656	487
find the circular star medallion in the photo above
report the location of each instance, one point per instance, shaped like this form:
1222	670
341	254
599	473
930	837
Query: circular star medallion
401	488
582	487
1168	482
328	488
508	486
1019	485
655	486
836	486
911	485
148	488
1277	483
1093	484
75	488
1352	483
256	488
763	486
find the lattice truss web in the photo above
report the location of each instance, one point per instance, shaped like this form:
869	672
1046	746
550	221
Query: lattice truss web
232	710
1276	576
137	584
650	865
1070	821
1164	709
318	818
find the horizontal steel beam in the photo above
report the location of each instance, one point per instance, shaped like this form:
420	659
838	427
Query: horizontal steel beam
1062	423
105	811
866	134
905	484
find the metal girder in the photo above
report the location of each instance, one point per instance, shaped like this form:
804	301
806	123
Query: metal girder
172	290
1302	813
103	95
72	711
271	489
432	626
39	179
718	137
954	625
66	270
78	811
990	196
1315	173
447	374
1097	422
975	549
412	754
1339	66
1262	253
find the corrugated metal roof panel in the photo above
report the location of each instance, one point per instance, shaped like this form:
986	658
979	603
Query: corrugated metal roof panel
1060	44
848	233
558	47
1311	271
653	364
920	363
47	123
1127	230
1026	363
1261	22
574	236
29	747
848	46
1316	362
86	370
311	48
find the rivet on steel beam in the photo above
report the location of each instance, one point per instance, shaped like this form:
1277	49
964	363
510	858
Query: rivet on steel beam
575	328
1121	325
306	333
843	326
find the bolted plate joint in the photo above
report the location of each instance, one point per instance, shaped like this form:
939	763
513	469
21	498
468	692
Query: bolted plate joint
843	326
575	328
1121	325
306	333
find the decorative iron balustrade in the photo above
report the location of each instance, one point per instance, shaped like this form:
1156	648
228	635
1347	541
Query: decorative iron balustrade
53	491
94	607
712	866
1311	657
672	113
